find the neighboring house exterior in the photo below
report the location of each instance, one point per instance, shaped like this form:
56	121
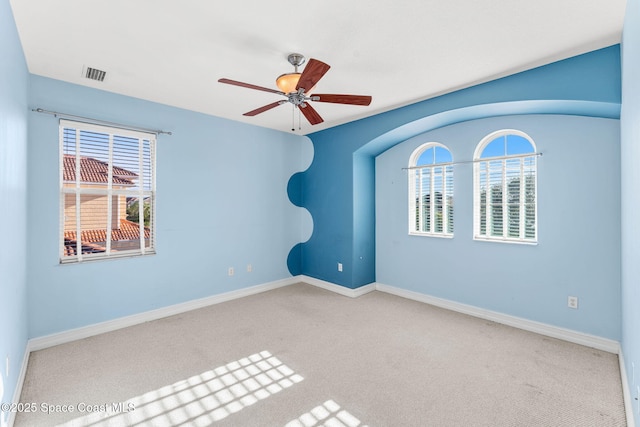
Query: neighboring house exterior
94	213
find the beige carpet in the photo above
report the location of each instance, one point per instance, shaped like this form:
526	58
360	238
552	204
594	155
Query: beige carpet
303	356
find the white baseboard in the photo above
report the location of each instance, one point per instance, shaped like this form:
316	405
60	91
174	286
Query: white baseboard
600	343
18	391
626	392
47	341
604	344
352	293
588	340
40	343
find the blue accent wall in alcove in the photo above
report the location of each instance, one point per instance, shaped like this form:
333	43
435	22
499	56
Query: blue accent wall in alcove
338	187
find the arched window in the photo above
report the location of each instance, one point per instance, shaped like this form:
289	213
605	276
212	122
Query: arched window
505	190
431	191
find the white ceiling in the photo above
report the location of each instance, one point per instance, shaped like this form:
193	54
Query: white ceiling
399	52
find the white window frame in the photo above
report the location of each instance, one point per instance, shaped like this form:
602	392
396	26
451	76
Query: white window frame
478	164
446	171
109	192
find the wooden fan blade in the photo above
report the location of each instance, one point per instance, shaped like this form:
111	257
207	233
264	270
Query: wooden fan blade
263	109
312	73
249	86
311	114
342	99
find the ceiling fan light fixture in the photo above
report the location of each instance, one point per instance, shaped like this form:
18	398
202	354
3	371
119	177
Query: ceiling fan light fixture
287	82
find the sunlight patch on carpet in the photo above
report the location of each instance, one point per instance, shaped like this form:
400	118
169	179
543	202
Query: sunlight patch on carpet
329	414
201	399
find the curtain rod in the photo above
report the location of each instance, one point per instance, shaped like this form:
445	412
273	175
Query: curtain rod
99	122
488	159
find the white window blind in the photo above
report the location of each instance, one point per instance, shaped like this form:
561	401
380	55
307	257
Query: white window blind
431	191
107	192
505	188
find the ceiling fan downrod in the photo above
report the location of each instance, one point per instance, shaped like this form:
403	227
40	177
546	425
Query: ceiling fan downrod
296	59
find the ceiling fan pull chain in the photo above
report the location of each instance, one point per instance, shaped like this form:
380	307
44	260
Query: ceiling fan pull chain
293	118
299	120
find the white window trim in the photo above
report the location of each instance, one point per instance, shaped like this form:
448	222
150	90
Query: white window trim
413	169
477	162
109	193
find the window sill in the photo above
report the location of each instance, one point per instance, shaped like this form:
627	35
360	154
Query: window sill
92	259
503	240
439	235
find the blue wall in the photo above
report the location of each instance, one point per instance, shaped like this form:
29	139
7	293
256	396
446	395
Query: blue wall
578	250
221	201
630	148
339	189
13	204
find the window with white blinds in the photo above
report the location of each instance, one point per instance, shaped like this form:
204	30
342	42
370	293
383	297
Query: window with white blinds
431	191
107	192
505	189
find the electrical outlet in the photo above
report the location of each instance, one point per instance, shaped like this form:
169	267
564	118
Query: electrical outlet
230	271
339	266
572	302
249	268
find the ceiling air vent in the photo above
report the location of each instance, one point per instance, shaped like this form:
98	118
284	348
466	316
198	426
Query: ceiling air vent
95	74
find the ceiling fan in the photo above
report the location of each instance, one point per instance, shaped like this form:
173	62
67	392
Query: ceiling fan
297	87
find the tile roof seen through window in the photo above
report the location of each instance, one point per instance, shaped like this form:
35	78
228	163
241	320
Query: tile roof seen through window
94	171
93	239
